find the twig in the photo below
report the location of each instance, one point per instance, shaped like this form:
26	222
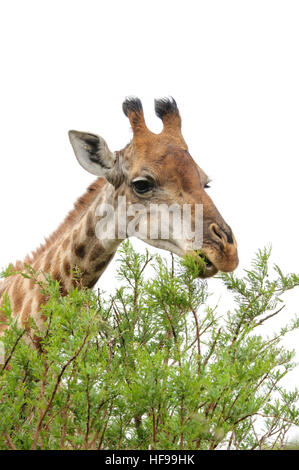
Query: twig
9	441
197	339
212	348
12	351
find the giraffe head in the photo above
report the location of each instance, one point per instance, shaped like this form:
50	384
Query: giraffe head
157	170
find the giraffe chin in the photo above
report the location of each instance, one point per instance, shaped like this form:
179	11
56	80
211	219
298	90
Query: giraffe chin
209	272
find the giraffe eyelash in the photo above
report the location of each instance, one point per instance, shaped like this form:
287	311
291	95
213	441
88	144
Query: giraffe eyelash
207	184
142	186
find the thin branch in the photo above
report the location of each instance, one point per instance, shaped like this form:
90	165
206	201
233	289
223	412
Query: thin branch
212	348
10	442
12	351
197	339
269	316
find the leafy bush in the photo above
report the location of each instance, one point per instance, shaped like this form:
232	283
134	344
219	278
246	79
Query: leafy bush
153	366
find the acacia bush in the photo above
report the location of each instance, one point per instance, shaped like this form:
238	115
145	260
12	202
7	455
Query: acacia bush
153	366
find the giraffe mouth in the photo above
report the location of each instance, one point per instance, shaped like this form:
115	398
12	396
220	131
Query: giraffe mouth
208	268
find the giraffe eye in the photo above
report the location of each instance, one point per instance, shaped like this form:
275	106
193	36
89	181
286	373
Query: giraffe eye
206	186
142	186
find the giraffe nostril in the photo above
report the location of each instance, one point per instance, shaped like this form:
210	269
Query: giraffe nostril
221	235
217	233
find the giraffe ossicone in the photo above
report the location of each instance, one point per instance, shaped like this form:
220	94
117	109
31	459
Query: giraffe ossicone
155	177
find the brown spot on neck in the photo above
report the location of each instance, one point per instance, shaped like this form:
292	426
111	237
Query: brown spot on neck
79	250
49	259
66	267
18	298
96	252
26	313
99	267
90	231
58	277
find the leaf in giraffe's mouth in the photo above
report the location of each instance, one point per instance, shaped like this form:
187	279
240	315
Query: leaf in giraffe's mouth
199	265
205	259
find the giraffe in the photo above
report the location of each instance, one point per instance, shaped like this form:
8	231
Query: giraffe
151	169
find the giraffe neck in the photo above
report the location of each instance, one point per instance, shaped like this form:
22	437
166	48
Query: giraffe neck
82	249
74	246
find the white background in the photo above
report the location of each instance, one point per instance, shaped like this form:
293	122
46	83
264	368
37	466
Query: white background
233	68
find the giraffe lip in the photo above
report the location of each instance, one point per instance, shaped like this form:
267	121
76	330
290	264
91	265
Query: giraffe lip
209	264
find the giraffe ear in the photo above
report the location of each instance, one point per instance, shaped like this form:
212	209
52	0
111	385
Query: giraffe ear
92	153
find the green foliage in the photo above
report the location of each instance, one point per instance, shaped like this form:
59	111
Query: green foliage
153	366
